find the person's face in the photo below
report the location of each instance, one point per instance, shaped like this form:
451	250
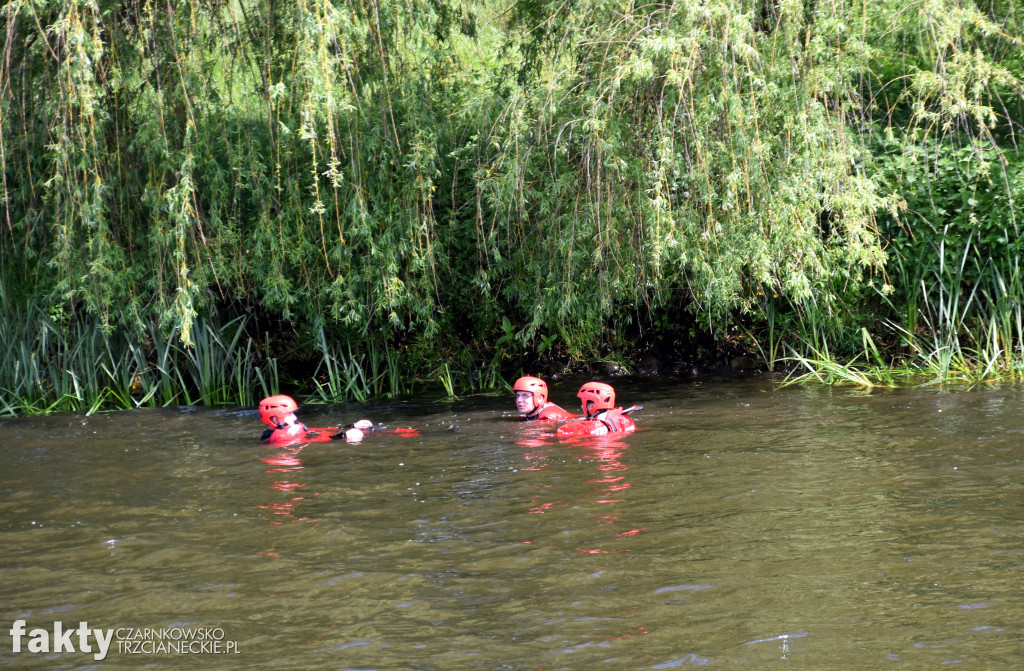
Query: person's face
524	402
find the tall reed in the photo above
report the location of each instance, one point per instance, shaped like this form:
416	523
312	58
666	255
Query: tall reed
962	323
81	367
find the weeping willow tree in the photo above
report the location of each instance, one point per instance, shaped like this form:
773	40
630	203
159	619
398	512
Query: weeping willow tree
166	160
502	176
725	154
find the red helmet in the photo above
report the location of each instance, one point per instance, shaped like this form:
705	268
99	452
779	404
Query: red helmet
537	386
274	408
601	395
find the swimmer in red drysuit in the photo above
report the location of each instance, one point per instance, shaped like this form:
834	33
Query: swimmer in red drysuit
278	413
531	395
601	417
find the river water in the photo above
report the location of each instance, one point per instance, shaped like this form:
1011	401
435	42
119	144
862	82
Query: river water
743	526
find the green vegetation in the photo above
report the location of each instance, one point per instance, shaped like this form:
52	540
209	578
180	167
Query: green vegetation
203	202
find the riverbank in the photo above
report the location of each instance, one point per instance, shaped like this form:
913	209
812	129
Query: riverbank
45	368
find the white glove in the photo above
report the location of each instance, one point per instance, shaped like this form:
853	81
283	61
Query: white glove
353	435
363	424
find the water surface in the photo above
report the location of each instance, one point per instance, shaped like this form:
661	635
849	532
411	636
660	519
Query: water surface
743	526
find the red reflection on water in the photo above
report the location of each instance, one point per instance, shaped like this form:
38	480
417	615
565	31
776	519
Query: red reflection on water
544	507
535	460
286	462
609	487
537	437
606	453
627	534
640	631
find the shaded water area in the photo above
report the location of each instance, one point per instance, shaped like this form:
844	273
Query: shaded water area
743	526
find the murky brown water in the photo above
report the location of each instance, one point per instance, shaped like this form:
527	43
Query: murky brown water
741	527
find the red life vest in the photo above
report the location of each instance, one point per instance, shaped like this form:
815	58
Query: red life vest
609	421
298	433
550	411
